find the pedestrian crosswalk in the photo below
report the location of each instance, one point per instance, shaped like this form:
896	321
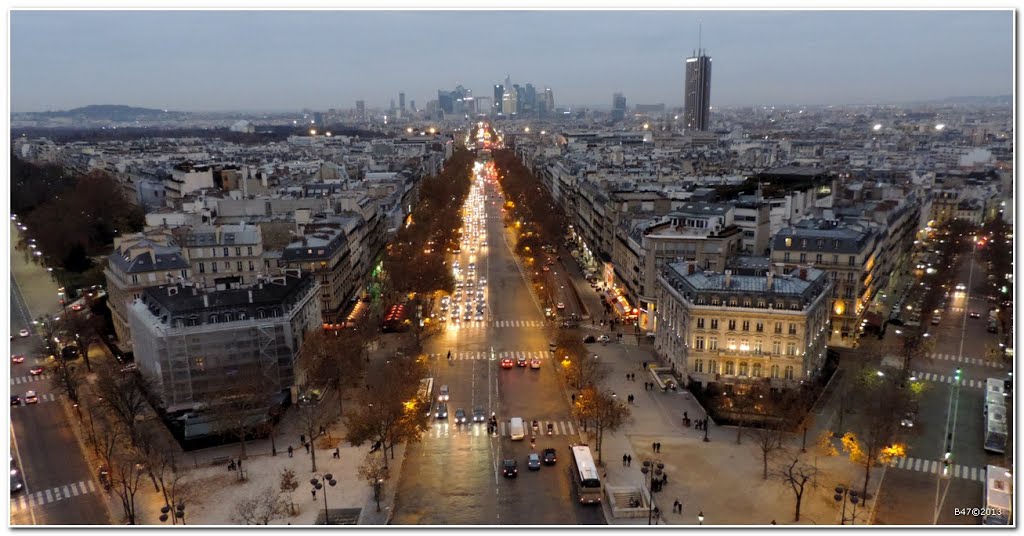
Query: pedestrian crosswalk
967	360
24	501
443	429
29	379
956	309
941	378
519	323
496	356
935	467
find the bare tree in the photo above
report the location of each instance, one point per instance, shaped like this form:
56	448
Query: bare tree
603	410
126	472
386	412
66	378
288	486
884	403
243	405
124	396
799	476
768	439
375	472
312	415
334	358
261	508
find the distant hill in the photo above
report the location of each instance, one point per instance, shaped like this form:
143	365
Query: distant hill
994	99
112	112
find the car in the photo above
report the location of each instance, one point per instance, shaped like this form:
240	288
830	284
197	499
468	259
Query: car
479	415
936	319
17	358
507	363
560	305
535	363
549	456
15	400
23	333
479	316
533	462
589	339
35	371
16	483
467	316
443	395
908	420
961	286
76	307
975	314
509	469
442	411
546	269
31	398
521	361
460	416
604	339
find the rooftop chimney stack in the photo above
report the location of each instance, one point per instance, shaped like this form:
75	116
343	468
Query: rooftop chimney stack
728	278
803	273
689	268
771	276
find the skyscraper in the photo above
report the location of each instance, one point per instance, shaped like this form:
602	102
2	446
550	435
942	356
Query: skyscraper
698	91
361	108
499	91
550	97
618	107
401	102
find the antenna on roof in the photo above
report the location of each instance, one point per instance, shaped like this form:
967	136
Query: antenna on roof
700	32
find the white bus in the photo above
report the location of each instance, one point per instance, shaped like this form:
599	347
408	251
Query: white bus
585	476
516	428
998	496
995	416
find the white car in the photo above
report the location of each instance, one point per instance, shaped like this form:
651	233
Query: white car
31	398
23	333
961	286
604	338
443	396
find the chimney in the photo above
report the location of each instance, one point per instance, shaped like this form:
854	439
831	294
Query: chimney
250	295
689	268
206	300
728	278
771	276
803	273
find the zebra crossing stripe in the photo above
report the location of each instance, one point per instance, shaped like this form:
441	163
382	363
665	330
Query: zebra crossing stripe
502	425
49	496
933	467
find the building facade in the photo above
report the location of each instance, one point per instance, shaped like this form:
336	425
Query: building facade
725	328
191	342
698	91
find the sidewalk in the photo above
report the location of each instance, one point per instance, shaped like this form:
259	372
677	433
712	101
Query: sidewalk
719	478
38	288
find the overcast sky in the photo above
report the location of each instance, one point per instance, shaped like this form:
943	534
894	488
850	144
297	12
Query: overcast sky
278	60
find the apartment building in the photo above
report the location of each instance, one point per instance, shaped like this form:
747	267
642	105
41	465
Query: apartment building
224	255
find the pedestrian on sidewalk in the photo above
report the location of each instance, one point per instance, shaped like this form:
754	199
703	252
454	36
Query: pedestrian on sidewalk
574	398
629	460
644	366
302	438
307	447
624	456
337	453
323	431
686	416
627	376
654	447
239	463
290	451
675	506
313	491
231	465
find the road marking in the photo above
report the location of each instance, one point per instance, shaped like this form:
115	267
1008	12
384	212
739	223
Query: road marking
965	359
935	467
92	487
940	378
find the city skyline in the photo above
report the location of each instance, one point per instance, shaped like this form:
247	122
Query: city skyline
762	58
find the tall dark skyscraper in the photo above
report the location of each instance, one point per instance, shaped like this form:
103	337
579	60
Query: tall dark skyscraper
698	91
401	101
618	107
499	91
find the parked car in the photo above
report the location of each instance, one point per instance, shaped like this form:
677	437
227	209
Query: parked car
604	339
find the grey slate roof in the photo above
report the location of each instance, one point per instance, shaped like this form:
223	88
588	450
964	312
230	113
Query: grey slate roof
163	258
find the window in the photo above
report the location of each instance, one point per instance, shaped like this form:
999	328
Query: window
731	344
700	323
213	266
790	348
698	342
732	325
227	266
762	304
199	364
732	301
743	368
789	372
213	252
775	371
202	268
729	368
776	347
714	323
792	328
746	302
789	241
778	328
853	260
248	251
757	346
238	251
849	277
715	300
252	267
238	265
759	327
698	365
757	370
835	244
713	366
226	252
817	258
746	325
785	257
848	292
712	343
803	242
803	257
835	259
135	279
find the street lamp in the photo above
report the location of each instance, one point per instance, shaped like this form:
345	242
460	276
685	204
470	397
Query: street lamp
844	494
649	475
318	482
178	513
